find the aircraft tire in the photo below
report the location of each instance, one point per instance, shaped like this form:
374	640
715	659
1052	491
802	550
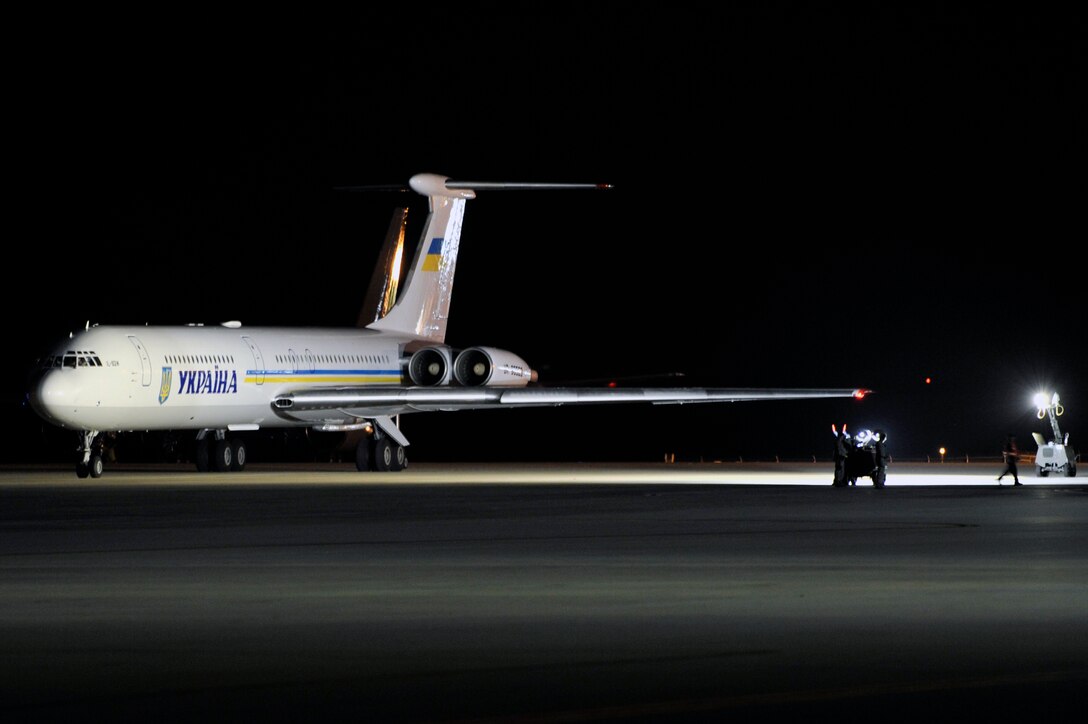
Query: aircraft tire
96	467
238	455
224	456
203	457
362	455
400	458
82	470
1043	472
383	455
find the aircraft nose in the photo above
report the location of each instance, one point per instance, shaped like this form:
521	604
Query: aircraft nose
52	394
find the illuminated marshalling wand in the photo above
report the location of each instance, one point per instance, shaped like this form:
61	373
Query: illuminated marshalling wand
1055	456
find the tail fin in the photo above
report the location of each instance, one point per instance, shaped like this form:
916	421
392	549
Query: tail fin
424	305
381	295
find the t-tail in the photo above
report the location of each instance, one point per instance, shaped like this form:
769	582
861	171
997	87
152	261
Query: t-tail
424	304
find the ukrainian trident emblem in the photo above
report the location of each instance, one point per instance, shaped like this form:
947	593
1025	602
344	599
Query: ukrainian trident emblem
164	386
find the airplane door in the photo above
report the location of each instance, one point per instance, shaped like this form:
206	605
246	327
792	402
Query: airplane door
145	361
258	361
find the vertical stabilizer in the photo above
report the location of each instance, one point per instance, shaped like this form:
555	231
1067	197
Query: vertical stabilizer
381	295
424	304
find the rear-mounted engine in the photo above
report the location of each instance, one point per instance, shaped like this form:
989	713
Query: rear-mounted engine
479	366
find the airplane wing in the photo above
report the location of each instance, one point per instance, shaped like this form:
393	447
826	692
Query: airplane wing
342	405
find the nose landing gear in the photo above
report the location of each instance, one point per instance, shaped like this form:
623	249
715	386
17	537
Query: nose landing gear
89	461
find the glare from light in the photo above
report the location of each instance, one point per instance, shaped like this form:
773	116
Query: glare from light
1040	400
942	451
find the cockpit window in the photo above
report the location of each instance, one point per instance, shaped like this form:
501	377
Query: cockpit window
71	360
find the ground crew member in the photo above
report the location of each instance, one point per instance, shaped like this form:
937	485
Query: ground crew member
842	450
1011	454
880	456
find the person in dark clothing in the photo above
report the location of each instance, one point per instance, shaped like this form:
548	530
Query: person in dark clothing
880	456
842	450
1011	454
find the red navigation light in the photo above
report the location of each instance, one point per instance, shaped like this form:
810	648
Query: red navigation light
612	383
929	380
860	394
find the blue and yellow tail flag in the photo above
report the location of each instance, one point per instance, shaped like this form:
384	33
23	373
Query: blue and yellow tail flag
434	255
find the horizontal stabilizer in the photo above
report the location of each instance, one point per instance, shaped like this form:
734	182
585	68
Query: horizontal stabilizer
522	186
422	311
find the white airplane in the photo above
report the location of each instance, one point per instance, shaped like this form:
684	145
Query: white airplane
220	380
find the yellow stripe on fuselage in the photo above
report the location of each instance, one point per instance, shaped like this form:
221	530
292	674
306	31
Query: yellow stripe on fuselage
330	379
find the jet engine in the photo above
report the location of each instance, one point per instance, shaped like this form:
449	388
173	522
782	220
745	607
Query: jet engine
430	366
478	366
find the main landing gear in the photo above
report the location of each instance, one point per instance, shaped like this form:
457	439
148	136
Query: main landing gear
219	453
380	453
90	455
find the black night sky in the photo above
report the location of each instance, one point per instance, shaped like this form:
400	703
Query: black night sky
803	196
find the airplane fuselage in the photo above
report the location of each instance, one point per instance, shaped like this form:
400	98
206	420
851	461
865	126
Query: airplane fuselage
223	379
197	377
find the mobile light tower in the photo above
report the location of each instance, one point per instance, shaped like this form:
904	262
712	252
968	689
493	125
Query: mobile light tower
1055	456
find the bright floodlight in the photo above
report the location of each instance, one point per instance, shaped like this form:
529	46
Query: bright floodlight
1040	400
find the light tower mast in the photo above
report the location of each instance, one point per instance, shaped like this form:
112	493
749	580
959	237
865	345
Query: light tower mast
1055	456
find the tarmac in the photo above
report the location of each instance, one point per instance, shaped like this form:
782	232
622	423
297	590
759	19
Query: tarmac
542	593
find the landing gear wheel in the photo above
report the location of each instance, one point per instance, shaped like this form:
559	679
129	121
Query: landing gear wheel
1043	472
400	458
203	456
383	455
1070	470
362	455
224	456
90	448
238	452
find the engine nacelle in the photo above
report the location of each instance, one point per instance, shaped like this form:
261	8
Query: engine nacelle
431	366
478	366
